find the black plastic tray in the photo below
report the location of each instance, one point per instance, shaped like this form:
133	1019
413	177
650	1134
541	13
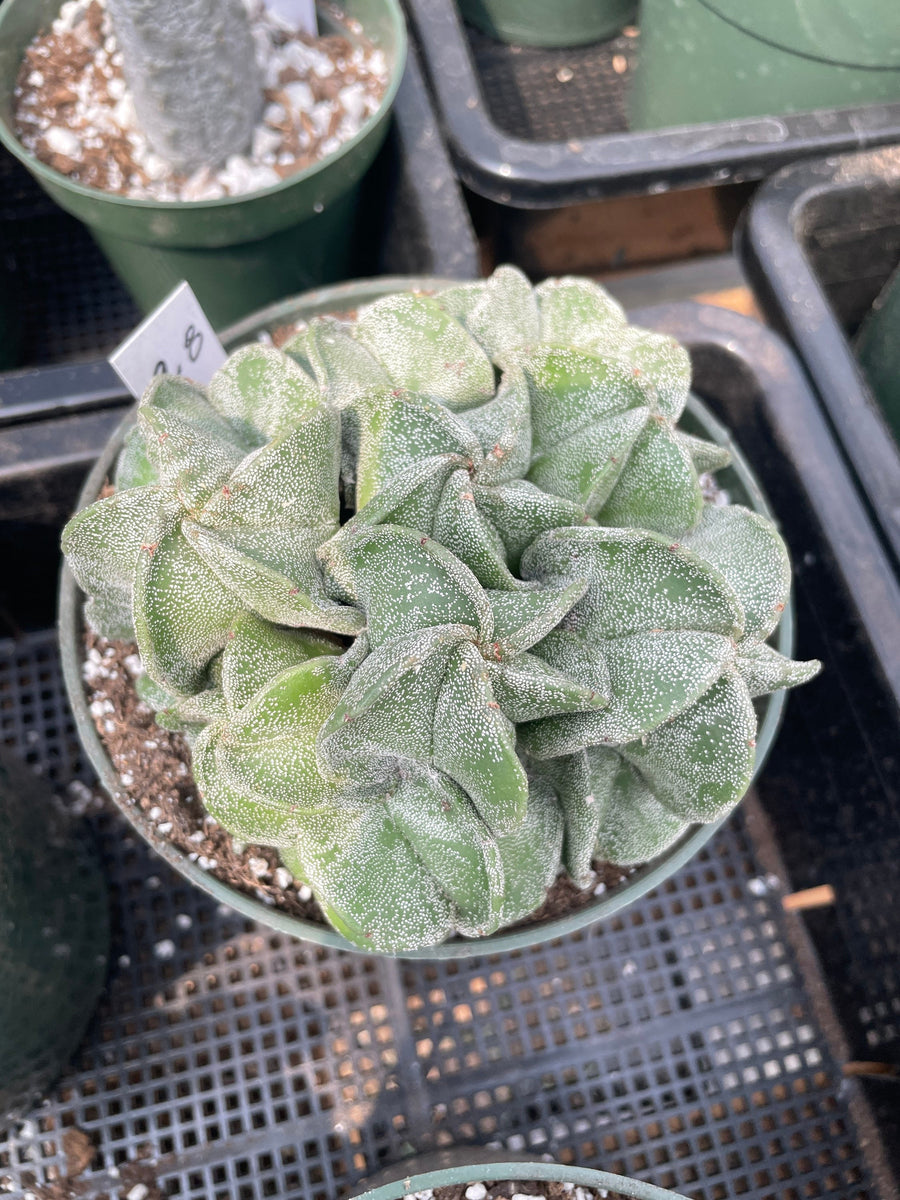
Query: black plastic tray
522	136
73	307
691	1040
819	243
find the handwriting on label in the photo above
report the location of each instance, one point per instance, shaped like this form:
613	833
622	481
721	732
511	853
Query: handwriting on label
193	345
175	339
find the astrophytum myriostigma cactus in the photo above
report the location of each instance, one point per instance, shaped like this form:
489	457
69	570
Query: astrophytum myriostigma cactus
436	598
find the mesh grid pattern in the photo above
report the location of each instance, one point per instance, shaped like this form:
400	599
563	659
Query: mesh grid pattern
71	307
555	95
674	1042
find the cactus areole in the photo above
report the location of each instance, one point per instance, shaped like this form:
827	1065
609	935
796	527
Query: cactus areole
437	598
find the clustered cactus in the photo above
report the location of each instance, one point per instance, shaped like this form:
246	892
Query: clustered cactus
529	643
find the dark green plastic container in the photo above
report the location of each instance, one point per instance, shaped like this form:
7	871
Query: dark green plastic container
737	478
237	253
717	60
54	935
877	347
549	22
461	1166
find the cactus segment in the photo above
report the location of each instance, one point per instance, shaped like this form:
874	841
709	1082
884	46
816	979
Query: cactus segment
256	651
182	714
706	456
405	582
258	767
262	393
633	826
529	688
523	618
574	312
747	550
423	349
102	545
369	880
699	764
290	483
444	829
436	601
343	367
637	581
501	313
531	854
461	526
387	713
182	613
658	488
478	748
653	676
764	670
503	429
571	391
134	468
398	431
193	451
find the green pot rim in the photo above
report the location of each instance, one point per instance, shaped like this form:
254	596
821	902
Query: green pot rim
549	1171
338	298
56	179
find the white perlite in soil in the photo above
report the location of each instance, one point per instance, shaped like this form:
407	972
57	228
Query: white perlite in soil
75	113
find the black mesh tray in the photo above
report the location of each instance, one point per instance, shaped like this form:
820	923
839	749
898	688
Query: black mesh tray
690	1040
72	306
819	243
538	128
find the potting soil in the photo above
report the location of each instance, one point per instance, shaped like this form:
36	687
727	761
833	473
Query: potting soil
75	113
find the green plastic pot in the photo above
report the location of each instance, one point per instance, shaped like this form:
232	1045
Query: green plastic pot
877	347
554	23
739	480
464	1165
717	60
237	253
54	935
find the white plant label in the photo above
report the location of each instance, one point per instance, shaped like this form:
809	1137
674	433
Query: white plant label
296	14
175	339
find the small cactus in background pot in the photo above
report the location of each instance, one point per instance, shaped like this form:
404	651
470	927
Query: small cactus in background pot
437	599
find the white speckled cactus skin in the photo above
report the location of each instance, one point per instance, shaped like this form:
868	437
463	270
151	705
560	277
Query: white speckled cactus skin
528	644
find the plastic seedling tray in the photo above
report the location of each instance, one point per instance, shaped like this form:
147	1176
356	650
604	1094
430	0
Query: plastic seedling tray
819	243
538	128
689	1041
74	308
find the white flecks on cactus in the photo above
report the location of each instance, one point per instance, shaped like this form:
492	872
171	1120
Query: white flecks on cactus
425	350
501	313
263	392
436	637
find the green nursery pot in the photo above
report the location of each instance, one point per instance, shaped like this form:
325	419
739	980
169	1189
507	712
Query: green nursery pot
715	60
878	350
737	478
54	935
538	23
239	252
464	1165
